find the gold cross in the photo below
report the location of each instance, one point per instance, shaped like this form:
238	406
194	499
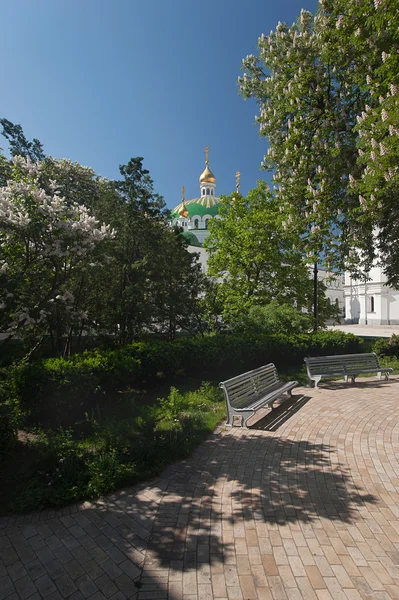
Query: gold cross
182	193
206	154
238	175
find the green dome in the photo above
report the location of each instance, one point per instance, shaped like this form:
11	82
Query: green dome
207	205
192	239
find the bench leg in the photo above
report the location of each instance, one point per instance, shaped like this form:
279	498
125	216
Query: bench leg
243	416
386	376
353	378
379	375
246	415
316	380
230	415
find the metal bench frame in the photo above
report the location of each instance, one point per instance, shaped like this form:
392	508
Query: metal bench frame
344	365
247	393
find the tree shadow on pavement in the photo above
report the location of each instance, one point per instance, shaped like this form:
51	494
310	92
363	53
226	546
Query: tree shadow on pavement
161	539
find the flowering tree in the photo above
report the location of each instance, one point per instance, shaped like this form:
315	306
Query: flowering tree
44	242
64	280
327	92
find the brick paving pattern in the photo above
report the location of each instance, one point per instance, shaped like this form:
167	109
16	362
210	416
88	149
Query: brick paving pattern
304	507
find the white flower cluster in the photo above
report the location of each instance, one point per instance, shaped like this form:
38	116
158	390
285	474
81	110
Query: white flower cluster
59	219
42	229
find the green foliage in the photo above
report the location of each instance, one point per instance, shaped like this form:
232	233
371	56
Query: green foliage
252	259
176	404
328	94
18	143
276	318
50	389
387	347
102	453
8	430
55	280
68	469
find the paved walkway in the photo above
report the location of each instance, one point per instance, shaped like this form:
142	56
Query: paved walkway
385	331
305	508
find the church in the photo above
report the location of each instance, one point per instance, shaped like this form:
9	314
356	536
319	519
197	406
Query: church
193	217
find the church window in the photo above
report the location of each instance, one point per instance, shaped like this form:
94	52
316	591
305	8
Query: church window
203	191
196	223
212	192
206	223
207	191
372	304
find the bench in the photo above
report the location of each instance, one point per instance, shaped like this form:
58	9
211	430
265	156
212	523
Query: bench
247	393
344	365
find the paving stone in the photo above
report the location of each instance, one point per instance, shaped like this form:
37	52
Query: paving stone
106	585
70	542
6	587
118	596
126	585
111	569
26	554
45	555
86	586
8	556
116	555
55	569
81	554
25	587
130	569
73	568
93	569
63	554
16	570
98	596
45	586
65	585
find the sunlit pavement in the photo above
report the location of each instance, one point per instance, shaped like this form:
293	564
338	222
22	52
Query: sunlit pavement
385	331
306	506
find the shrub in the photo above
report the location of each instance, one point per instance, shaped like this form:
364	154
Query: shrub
51	389
8	430
276	318
387	347
67	470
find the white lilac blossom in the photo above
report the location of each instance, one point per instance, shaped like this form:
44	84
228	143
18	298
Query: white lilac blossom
39	228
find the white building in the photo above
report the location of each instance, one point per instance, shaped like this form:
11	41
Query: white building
371	302
335	289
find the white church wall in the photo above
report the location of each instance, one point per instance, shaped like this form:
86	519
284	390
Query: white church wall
371	302
203	256
393	307
335	290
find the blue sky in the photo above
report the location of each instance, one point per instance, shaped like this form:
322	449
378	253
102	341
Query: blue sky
101	81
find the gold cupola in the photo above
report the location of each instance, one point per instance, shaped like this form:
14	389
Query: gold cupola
207	176
183	212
